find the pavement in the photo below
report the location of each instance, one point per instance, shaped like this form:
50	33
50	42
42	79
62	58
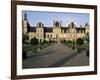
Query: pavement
55	55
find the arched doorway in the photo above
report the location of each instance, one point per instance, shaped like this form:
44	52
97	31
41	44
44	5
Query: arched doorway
57	38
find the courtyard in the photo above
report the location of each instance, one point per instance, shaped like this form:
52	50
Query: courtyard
55	55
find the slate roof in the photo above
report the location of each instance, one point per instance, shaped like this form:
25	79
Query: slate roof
46	29
64	28
32	29
28	27
80	29
50	29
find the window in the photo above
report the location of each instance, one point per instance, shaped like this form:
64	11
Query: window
47	35
41	36
37	35
72	35
51	35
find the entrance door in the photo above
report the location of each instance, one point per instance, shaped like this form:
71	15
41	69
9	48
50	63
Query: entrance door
57	39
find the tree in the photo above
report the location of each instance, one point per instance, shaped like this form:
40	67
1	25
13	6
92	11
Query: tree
34	42
45	42
63	41
79	42
69	43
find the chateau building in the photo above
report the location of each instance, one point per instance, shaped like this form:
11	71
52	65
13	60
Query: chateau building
56	32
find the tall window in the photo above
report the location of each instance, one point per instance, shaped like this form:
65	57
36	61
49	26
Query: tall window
51	35
38	35
47	35
72	35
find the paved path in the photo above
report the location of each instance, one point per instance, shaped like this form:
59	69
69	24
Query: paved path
56	55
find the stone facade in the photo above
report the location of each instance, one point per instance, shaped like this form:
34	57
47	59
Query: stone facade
56	32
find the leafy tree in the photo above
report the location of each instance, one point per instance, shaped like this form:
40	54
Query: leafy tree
69	43
50	41
63	41
45	42
79	42
73	42
34	43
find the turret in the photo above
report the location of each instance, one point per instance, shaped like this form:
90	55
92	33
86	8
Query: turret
73	25
40	25
57	24
25	16
25	24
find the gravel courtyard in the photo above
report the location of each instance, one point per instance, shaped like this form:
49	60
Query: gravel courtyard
56	55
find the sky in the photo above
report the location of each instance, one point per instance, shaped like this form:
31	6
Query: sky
47	18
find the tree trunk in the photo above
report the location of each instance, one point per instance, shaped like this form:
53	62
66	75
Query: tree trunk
34	49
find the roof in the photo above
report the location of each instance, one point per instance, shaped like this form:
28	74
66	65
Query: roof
32	29
48	29
80	29
64	28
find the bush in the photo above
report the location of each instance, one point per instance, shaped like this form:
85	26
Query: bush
63	41
34	41
69	43
79	41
